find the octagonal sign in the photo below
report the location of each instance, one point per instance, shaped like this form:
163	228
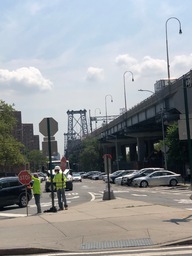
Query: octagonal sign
53	126
24	177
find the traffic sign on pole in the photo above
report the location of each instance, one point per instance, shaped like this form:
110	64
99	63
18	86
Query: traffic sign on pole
43	127
63	163
24	177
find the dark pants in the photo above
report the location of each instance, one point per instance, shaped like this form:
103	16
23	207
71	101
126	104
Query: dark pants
37	202
61	198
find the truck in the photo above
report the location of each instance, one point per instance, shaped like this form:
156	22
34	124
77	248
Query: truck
67	172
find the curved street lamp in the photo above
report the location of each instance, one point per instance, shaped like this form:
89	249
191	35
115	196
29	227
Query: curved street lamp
125	88
108	95
167	51
163	131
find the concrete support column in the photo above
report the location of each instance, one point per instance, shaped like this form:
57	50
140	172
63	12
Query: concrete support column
133	152
123	152
141	149
150	148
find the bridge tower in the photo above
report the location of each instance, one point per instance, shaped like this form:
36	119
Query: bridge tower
77	129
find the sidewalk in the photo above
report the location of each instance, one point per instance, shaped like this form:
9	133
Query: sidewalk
96	225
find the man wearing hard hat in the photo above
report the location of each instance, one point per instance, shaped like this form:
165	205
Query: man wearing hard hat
60	180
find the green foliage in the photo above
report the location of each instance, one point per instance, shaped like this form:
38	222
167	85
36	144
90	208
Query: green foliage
10	148
36	160
90	159
177	148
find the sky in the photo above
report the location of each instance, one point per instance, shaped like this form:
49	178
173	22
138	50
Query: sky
65	55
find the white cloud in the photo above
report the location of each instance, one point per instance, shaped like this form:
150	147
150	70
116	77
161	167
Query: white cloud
125	60
150	66
24	79
94	74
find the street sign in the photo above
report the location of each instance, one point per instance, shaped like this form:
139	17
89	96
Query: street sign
24	177
63	163
43	126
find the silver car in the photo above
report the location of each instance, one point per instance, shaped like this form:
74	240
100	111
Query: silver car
157	178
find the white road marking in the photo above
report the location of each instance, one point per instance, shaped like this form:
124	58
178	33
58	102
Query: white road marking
10	215
92	196
183	201
138	195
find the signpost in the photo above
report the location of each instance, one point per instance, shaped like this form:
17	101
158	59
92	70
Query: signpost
25	179
48	127
63	163
108	195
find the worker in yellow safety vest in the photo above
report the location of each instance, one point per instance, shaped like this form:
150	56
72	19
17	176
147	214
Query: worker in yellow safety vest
37	191
60	181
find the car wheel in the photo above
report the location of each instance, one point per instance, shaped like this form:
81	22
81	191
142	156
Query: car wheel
129	182
144	184
22	201
173	182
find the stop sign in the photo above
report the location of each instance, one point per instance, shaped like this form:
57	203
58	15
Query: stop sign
43	126
24	177
63	163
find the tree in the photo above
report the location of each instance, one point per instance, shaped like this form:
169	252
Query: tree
10	148
90	158
36	160
177	154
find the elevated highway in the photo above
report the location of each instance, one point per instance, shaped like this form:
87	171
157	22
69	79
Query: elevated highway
138	129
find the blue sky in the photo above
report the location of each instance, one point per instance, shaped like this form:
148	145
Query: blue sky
65	55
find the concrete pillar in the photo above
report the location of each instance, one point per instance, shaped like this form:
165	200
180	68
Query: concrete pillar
133	152
141	149
123	152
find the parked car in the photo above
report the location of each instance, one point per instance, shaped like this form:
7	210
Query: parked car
158	178
89	175
142	172
120	174
43	175
110	174
76	177
98	176
69	183
119	180
13	192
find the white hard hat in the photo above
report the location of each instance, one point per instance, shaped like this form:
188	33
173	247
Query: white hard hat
57	168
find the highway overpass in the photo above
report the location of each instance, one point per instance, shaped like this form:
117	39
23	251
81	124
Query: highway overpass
138	129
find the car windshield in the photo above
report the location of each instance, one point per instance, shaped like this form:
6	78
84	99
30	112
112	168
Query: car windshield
76	174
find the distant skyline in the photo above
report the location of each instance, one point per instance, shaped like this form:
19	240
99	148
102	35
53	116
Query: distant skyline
65	55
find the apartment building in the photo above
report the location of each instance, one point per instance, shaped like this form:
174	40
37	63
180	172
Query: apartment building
24	133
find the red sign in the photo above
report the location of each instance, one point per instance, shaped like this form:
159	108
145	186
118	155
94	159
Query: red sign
63	163
24	177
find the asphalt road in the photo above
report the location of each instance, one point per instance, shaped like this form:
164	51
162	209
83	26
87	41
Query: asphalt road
93	190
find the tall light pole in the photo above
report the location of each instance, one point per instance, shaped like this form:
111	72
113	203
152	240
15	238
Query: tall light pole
125	88
167	51
108	95
163	131
95	116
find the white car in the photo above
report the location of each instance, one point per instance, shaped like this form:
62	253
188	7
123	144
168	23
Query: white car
119	180
76	177
158	178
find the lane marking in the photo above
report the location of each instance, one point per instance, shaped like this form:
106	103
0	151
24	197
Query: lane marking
11	215
138	195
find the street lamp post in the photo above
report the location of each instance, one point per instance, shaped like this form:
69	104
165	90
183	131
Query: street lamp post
167	51
162	127
95	116
108	95
186	84
125	88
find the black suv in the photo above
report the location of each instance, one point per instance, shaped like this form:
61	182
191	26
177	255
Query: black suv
13	192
